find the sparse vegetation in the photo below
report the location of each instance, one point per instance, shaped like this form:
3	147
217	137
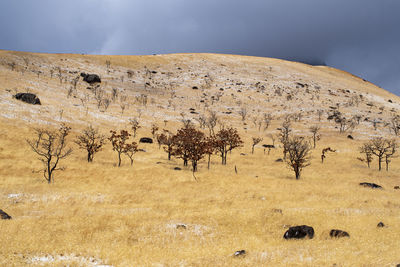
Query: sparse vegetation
225	141
298	150
90	140
51	147
160	201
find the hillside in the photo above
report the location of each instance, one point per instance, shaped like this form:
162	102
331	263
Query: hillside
98	214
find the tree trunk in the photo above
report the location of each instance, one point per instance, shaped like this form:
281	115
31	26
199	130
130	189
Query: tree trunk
89	157
380	163
119	159
387	164
224	158
297	172
49	171
252	149
194	165
209	159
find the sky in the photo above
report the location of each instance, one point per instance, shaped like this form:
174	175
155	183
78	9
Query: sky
358	36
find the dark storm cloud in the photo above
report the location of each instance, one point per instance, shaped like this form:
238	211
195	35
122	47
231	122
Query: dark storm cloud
360	36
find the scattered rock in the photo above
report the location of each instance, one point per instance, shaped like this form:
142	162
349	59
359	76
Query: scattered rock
299	232
338	233
350	137
380	224
177	169
181	226
268	146
4	215
146	140
277	211
279	160
240	253
91	78
372	185
28	98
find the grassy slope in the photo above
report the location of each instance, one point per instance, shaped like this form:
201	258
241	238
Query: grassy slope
126	216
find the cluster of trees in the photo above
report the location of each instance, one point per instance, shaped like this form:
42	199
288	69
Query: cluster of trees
51	146
190	144
384	149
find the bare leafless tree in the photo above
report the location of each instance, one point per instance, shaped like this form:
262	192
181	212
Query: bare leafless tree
366	151
284	133
345	125
202	120
135	125
320	112
243	113
122	103
256	140
315	130
154	130
382	148
395	124
91	140
51	146
267	121
299	151
212	121
390	151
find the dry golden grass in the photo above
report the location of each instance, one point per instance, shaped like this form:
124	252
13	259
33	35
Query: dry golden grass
127	216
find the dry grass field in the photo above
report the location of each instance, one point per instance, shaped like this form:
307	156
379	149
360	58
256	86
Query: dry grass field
96	214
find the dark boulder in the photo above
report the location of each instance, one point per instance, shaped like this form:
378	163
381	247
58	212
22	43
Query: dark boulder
147	140
338	233
28	98
299	232
371	185
279	160
380	224
4	216
350	137
240	253
177	169
396	187
268	146
91	78
181	226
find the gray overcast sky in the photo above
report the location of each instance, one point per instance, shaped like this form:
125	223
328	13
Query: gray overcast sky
359	36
